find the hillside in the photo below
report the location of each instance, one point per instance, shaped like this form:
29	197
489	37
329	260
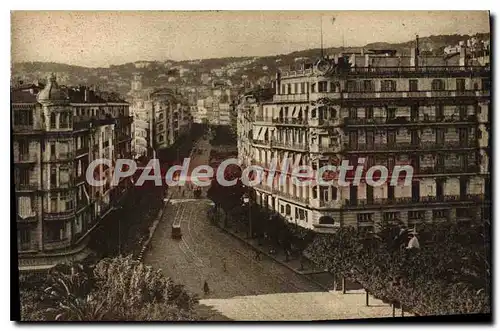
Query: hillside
155	73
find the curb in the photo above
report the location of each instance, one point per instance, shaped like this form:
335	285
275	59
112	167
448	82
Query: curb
152	230
275	259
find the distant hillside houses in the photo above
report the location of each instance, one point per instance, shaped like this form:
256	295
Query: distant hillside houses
473	44
218	72
142	64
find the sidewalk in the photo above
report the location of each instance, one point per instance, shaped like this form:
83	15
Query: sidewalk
320	277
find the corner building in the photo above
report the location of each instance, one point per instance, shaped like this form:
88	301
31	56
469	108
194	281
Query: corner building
430	112
57	133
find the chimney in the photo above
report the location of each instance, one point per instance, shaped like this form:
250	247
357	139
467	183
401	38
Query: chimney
278	82
85	94
415	53
463	54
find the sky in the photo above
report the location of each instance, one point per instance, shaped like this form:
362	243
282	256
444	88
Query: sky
100	39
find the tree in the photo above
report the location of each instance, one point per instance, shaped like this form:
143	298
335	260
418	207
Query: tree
118	289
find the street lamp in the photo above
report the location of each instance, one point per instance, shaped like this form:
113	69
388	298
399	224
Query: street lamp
246	200
119	231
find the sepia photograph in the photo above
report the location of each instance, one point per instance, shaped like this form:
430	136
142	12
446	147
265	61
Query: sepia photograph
255	166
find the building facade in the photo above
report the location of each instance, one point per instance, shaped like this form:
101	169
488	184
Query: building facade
430	112
171	117
57	133
161	116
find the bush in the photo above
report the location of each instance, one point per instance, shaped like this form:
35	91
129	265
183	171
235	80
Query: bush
118	289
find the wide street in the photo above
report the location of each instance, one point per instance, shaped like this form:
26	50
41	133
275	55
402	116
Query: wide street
241	287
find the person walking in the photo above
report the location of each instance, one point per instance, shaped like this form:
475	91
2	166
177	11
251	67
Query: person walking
206	289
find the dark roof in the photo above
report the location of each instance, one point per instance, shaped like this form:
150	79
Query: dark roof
22	96
77	95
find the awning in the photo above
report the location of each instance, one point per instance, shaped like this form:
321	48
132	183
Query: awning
256	133
262	133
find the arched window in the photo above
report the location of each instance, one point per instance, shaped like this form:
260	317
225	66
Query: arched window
437	85
53	121
288	210
313	113
326	220
64	120
334	193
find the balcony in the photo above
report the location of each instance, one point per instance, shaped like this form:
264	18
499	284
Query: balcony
26	187
314	148
290	121
56	244
261	143
63	215
407	121
291	146
385	202
330	204
264	188
447	170
413	94
445	70
406	146
82	151
292	197
27	219
26	158
290	97
268	120
364	121
296	73
320	122
62	157
325	95
26	129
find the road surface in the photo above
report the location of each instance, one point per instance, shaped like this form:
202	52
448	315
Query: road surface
241	287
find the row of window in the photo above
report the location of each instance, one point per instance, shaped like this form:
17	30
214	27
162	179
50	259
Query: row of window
64	120
86	111
387	85
300	214
412	215
464	135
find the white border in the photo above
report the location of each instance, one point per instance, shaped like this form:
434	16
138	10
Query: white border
198	5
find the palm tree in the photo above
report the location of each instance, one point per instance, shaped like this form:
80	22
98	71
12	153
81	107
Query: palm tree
70	294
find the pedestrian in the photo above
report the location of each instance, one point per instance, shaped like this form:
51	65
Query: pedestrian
206	289
224	266
257	255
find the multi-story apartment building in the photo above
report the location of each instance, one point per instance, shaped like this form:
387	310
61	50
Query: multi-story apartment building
171	117
57	133
160	117
140	108
430	112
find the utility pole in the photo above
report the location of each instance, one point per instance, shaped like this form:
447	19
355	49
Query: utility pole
119	236
250	235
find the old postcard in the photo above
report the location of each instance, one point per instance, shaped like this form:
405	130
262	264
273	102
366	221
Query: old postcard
251	166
